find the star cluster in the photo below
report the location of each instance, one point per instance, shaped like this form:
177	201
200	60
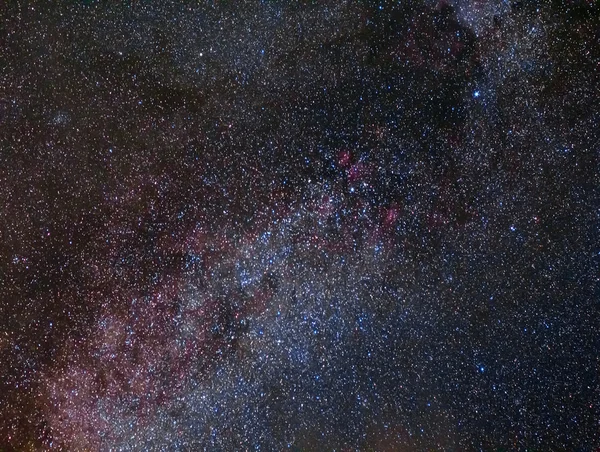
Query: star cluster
281	225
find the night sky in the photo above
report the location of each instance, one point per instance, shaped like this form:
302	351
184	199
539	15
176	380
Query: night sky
300	226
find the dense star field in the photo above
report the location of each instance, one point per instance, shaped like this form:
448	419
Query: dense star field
300	225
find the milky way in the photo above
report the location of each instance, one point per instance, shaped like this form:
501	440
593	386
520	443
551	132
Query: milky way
307	226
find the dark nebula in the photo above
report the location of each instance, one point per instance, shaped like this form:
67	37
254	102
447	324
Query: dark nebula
300	226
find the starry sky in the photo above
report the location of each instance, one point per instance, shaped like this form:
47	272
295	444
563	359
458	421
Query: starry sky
308	225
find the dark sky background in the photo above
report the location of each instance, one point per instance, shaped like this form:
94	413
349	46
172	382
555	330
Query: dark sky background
299	225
